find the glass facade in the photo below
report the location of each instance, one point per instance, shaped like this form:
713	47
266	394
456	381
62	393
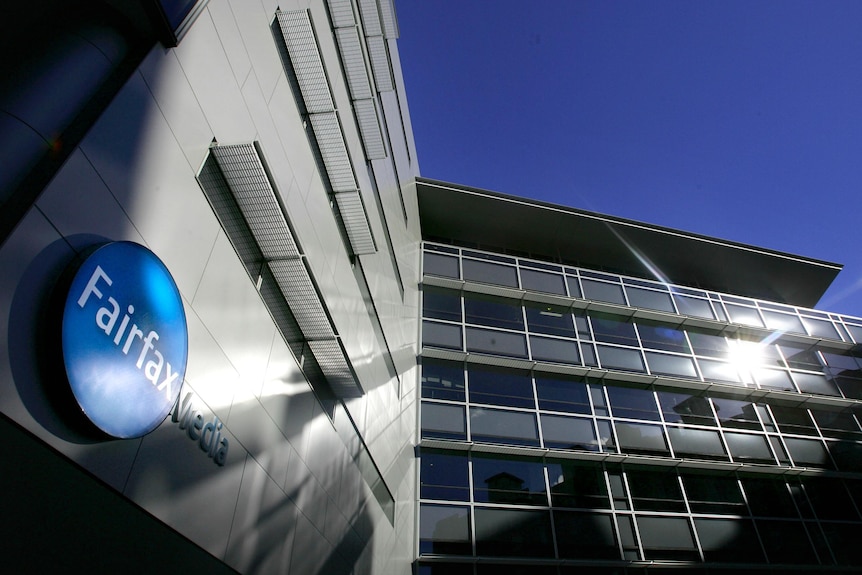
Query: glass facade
575	420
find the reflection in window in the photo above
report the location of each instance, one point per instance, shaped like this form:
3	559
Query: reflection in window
444	529
714	494
633	403
493	312
513	532
496	342
666	364
649	299
697	443
585	535
442	380
440	265
444	476
509	480
487	272
708	344
685	408
561	432
609	330
620	358
744	315
641	438
736	414
748	448
656	336
542	281
603	291
554	350
693	306
808	453
441	304
728	540
655	491
667	538
499	426
441	335
577	485
561	393
783	322
499	386
549	319
443	421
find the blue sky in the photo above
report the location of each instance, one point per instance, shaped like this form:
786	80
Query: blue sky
741	120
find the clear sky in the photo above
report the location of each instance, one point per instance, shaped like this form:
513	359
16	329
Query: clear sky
736	119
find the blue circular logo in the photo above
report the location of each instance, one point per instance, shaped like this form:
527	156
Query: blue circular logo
125	342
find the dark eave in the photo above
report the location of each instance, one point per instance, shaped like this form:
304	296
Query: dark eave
484	219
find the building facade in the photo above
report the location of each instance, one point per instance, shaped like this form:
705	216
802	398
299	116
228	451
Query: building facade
241	334
261	151
605	396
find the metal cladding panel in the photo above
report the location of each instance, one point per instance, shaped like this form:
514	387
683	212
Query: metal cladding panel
370	18
354	62
296	286
341	12
356	222
369	129
333	150
380	63
305	57
244	172
335	367
390	21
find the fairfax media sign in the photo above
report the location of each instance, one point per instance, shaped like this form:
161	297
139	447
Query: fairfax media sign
125	347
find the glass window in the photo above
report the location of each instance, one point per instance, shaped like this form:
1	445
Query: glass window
610	330
585	535
743	314
815	383
685	408
655	336
808	452
574	287
718	371
554	350
499	426
783	322
714	494
697	443
801	357
561	393
649	299
620	358
666	364
641	438
549	319
577	485
441	304
820	328
561	432
768	497
793	420
667	538
496	342
851	387
728	540
655	491
441	335
748	448
786	542
487	272
736	414
542	281
603	291
693	306
440	265
443	475
444	529
513	532
508	480
836	423
844	540
445	569
498	386
708	345
442	380
773	379
493	312
443	421
633	403
829	499
847	455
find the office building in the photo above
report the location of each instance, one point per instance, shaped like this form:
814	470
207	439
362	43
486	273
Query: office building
240	334
606	396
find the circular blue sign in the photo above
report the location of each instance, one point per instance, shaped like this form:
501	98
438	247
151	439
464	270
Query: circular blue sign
125	342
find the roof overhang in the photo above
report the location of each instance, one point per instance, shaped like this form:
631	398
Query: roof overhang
484	219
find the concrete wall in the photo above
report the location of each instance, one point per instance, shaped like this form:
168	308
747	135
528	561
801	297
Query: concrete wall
290	498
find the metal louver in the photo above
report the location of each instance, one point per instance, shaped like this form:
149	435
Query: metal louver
305	58
249	183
